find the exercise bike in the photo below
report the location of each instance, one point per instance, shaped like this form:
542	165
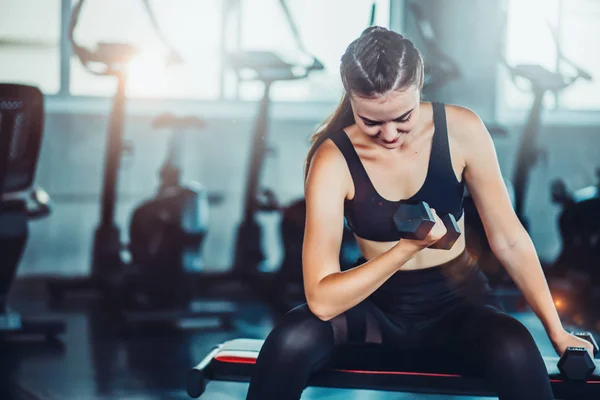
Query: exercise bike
166	232
280	289
268	67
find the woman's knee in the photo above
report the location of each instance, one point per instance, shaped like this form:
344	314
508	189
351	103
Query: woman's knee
299	344
514	361
510	342
300	333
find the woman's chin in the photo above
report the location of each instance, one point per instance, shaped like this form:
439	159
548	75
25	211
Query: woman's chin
391	145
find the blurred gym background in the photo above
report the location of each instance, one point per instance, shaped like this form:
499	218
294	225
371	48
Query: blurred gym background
194	74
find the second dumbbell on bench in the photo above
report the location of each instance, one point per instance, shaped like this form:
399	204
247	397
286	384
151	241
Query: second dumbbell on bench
414	221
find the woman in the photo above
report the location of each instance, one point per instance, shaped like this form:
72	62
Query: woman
381	148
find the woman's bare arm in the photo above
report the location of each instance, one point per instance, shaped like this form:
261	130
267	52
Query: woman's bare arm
508	239
329	291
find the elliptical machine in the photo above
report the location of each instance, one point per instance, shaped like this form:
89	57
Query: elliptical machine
268	68
271	287
166	232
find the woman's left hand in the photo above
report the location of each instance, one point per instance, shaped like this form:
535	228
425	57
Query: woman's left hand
565	339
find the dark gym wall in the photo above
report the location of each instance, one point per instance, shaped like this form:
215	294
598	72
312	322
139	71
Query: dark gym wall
72	154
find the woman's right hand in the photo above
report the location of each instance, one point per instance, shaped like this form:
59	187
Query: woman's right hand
436	233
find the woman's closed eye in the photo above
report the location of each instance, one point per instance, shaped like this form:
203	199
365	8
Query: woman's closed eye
404	119
400	120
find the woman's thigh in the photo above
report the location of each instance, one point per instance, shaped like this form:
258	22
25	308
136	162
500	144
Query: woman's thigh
482	338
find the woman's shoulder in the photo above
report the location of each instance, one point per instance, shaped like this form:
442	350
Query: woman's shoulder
328	171
327	156
466	131
460	115
462	122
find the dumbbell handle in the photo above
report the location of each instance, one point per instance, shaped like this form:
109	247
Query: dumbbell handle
589	337
448	240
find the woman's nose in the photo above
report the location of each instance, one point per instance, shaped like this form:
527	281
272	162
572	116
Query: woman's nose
388	132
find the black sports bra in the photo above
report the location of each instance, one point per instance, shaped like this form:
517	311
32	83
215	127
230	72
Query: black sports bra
369	215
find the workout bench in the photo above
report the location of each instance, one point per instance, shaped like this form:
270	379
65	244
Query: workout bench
372	367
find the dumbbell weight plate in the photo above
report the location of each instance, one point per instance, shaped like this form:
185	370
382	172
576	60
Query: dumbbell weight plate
576	363
414	221
451	236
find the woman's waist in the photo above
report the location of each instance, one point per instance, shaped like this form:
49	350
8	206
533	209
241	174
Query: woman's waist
424	259
457	275
434	258
419	293
430	262
433	289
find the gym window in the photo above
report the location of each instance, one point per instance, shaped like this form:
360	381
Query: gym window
323	36
529	41
191	26
30	43
32	34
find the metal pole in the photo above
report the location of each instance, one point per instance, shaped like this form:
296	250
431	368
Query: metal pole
65	49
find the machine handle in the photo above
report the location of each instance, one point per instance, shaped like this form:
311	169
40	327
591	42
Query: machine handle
41	201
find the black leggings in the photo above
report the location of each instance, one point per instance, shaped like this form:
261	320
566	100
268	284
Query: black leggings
447	308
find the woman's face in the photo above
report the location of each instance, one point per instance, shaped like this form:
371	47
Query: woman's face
387	118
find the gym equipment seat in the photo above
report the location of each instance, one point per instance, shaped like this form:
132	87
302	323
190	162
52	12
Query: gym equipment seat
21	129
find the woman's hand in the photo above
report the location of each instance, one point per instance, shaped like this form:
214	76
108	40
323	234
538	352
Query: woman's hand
437	231
565	339
405	249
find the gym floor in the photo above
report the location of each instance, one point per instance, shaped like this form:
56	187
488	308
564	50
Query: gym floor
93	361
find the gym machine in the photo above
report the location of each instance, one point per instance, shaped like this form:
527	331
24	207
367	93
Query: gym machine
21	130
270	287
579	226
541	81
166	232
575	274
268	68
